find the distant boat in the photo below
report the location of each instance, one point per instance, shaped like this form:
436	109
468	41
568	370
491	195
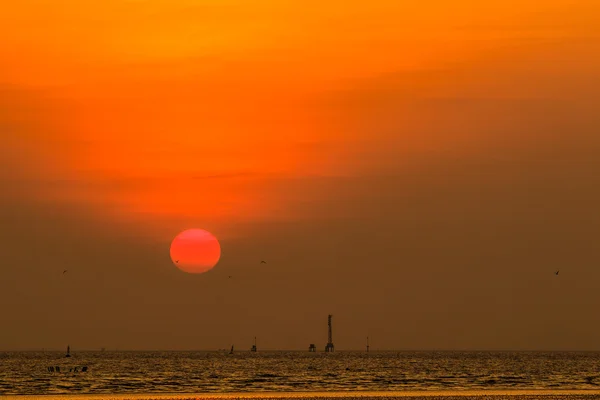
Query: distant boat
253	348
68	351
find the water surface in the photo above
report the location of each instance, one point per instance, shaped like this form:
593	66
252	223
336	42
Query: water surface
245	372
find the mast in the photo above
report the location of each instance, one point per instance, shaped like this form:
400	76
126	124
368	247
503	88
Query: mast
329	347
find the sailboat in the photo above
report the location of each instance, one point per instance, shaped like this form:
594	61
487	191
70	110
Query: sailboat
68	351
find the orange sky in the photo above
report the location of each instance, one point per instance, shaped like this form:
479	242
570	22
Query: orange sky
160	115
196	101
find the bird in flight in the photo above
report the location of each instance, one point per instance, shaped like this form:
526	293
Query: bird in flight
556	273
177	261
230	276
64	272
263	262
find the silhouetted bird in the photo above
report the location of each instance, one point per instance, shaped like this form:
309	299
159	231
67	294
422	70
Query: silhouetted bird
263	262
556	273
177	261
229	276
64	271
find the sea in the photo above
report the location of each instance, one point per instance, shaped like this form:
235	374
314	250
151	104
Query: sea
264	374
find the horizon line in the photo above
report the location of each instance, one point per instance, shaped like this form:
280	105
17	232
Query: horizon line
100	350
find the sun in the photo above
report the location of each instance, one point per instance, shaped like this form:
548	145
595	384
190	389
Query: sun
195	251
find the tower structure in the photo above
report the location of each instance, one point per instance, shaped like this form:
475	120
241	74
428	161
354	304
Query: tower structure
329	347
367	344
253	349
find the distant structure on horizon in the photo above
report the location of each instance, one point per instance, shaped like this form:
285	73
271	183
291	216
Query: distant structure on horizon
329	346
312	348
68	351
367	344
253	349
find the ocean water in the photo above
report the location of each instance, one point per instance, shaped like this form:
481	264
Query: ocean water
26	373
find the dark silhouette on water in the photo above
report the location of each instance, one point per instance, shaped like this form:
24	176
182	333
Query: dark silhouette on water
329	346
68	351
72	369
231	351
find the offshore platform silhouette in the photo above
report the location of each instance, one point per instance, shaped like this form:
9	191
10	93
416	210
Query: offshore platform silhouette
329	347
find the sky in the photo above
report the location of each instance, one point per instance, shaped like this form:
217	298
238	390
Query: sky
419	170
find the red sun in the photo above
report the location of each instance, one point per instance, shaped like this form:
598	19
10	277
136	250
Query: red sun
195	251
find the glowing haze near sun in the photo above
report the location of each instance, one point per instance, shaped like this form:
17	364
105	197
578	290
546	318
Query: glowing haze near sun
195	251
